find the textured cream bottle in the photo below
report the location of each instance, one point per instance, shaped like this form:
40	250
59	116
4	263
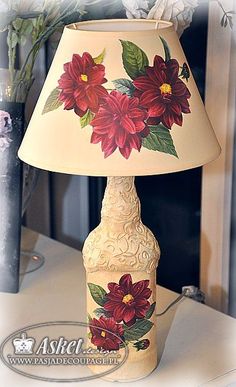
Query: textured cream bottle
121	246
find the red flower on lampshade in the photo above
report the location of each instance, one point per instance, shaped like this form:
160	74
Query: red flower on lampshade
81	84
105	333
141	110
163	93
119	123
127	301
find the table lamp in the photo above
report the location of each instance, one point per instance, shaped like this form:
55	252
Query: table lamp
120	101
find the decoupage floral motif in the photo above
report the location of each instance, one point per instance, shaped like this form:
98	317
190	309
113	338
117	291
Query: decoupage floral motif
162	92
127	301
81	84
5	129
124	314
140	112
119	123
106	333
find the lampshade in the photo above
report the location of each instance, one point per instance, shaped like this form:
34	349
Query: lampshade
119	100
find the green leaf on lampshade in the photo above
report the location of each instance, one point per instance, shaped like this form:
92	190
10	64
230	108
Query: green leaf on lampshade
101	312
125	86
137	330
97	293
52	102
86	119
159	139
99	59
134	59
150	310
166	49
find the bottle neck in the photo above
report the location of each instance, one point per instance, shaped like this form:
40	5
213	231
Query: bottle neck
121	203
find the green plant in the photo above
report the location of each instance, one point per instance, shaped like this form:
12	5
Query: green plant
35	21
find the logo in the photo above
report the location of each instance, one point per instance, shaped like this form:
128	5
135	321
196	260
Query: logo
37	349
23	345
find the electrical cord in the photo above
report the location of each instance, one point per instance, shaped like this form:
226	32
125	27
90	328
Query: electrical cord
179	298
220	377
182	295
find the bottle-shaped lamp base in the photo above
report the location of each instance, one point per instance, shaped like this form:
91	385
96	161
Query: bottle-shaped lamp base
120	257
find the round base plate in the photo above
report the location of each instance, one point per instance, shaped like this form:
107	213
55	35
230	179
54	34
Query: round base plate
30	261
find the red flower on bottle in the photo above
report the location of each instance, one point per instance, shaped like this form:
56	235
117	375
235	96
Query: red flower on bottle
127	301
81	84
162	92
105	333
119	123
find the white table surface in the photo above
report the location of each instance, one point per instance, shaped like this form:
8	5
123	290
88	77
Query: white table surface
196	344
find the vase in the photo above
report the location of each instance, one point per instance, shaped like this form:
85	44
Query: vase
11	133
15	177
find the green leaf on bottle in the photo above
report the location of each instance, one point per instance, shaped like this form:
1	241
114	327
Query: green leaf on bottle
97	293
86	119
150	310
99	59
137	330
125	86
159	139
166	49
134	59
52	102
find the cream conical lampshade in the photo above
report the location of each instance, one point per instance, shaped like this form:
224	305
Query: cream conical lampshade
119	100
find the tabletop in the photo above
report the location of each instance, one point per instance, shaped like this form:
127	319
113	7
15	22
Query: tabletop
196	344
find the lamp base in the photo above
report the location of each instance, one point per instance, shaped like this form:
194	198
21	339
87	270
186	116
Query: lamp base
120	257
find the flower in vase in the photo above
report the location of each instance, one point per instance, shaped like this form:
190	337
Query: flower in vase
5	128
81	84
105	333
127	301
10	10
179	12
119	123
163	93
137	9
